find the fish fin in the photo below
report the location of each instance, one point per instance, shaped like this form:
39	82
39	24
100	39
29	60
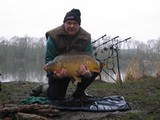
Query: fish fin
96	71
102	65
45	68
100	77
76	80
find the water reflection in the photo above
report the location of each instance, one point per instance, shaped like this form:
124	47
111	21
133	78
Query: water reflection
33	72
22	71
110	76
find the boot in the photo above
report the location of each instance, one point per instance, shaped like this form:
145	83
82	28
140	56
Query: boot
81	95
82	86
36	91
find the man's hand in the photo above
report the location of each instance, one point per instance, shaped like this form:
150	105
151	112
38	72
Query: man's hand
61	74
84	71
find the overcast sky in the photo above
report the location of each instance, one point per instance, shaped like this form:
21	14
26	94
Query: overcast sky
139	19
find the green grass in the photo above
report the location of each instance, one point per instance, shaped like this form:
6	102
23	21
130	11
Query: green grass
142	95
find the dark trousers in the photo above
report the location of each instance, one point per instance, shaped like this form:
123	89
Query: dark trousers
58	87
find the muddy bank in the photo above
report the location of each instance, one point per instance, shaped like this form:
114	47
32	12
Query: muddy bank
142	95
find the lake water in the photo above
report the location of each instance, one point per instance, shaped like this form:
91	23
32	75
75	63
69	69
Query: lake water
33	72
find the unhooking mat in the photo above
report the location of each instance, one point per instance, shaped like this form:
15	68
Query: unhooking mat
104	104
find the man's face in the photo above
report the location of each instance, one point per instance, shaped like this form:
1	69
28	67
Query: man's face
71	27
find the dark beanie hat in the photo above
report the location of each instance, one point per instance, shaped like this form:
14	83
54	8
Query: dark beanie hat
74	14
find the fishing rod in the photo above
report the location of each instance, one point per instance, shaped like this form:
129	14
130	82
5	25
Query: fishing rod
99	39
121	41
109	75
114	48
105	42
117	56
105	48
110	56
101	50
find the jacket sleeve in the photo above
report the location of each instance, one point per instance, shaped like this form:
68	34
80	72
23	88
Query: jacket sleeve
89	48
50	50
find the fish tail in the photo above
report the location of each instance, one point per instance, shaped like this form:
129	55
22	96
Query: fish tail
102	65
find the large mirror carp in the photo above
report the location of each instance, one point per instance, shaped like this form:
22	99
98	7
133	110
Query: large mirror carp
72	62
